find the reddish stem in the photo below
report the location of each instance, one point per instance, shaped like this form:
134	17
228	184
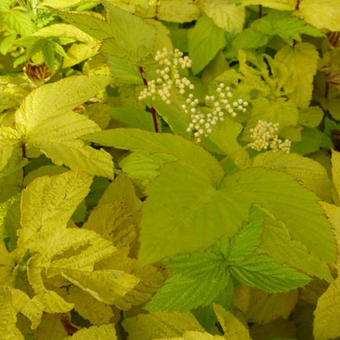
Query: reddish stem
23	152
294	43
153	111
69	328
260	11
141	71
326	90
23	149
297	7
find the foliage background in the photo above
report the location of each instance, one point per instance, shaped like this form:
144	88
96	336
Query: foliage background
120	219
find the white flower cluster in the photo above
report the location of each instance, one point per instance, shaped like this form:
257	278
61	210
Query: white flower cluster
169	79
265	136
221	104
171	62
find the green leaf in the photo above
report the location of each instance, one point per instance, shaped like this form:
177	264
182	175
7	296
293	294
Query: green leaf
11	222
160	324
310	173
133	36
232	327
88	307
12	91
327	313
198	279
311	141
195	336
285	26
205	40
182	293
284	5
333	108
250	38
173	116
48	203
91	23
124	71
190	155
46	121
311	116
104	332
63	3
289	202
133	117
225	136
199	207
245	242
263	272
7	42
9	139
26	306
301	62
8	329
47	236
4	212
144	166
320	15
336	170
212	210
18	21
104	285
51	327
226	15
48	48
277	243
178	11
263	307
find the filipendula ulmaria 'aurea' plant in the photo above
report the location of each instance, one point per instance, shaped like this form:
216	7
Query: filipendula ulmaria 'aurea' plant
232	225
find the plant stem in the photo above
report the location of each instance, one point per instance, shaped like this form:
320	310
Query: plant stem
23	148
326	90
297	7
260	11
24	155
153	111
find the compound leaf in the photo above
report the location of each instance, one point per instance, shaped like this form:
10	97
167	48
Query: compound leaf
48	203
46	120
289	202
197	280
